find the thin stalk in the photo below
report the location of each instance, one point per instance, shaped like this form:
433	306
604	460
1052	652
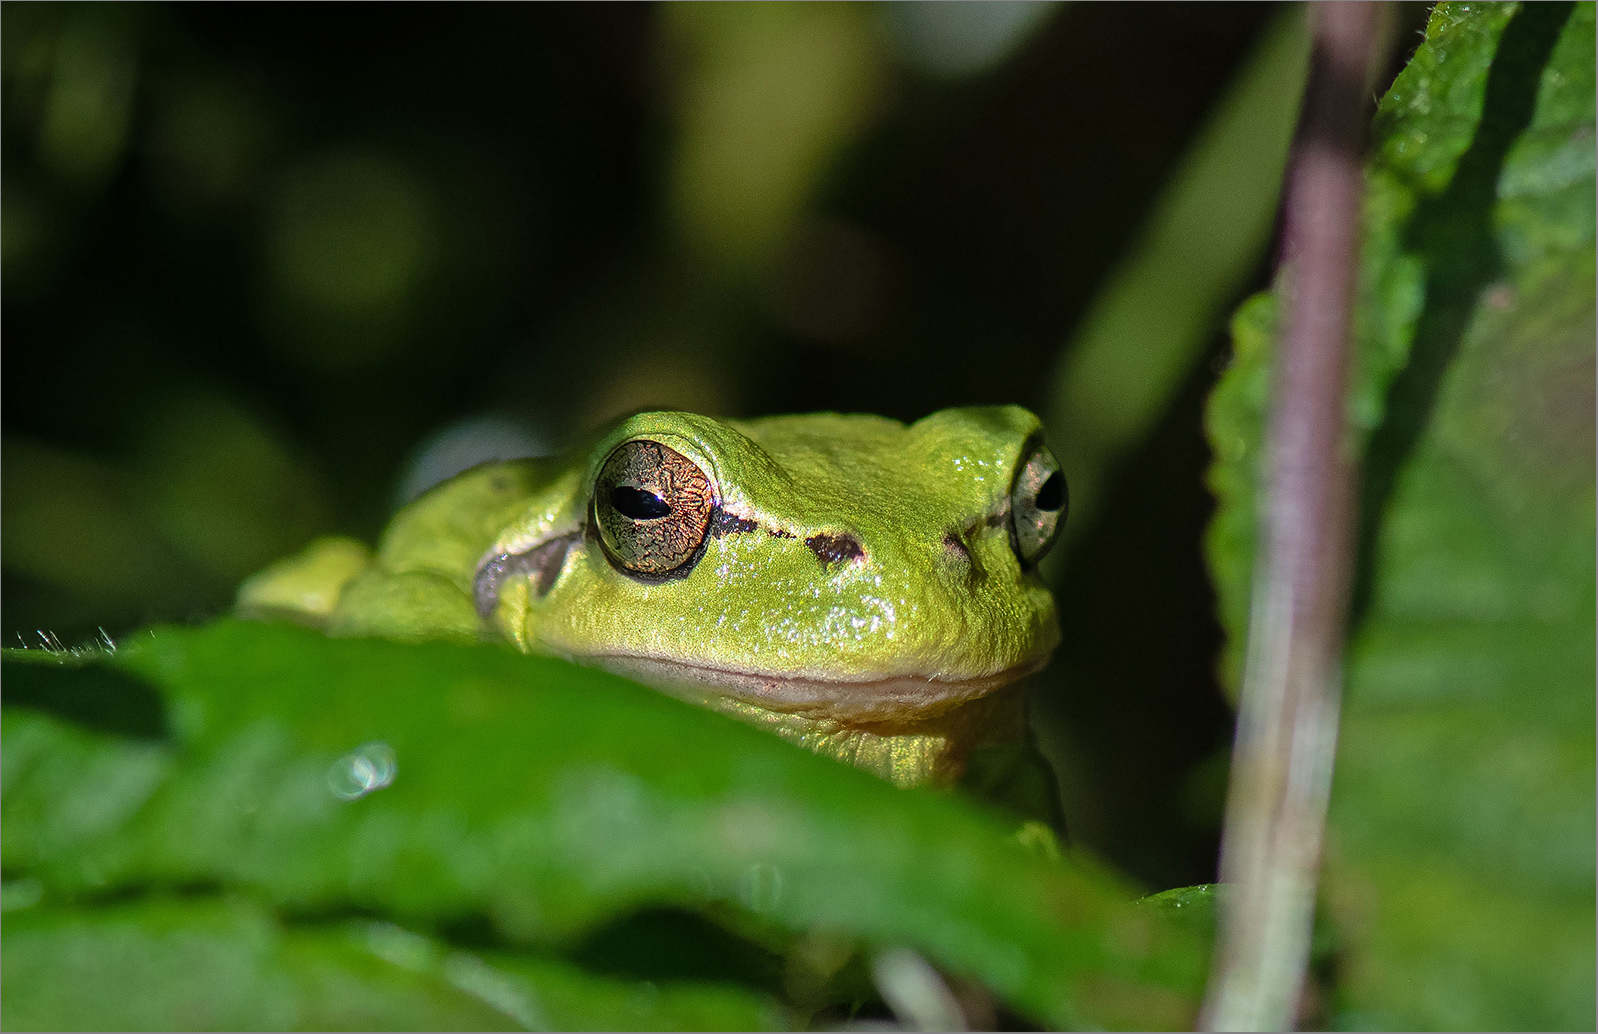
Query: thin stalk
1292	683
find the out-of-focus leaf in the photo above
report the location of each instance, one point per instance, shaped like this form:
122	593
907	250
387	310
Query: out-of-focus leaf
768	96
1234	421
73	523
954	41
226	493
353	247
434	782
1163	305
228	964
66	788
1199	899
89	111
1192	907
1460	856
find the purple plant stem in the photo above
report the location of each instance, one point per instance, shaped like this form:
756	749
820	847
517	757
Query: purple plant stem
1288	712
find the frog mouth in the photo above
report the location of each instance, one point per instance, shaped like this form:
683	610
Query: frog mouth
891	698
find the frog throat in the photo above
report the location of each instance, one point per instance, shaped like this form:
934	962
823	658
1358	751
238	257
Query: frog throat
894	699
930	751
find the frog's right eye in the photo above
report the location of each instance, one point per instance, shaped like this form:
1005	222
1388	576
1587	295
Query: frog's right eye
1037	505
652	507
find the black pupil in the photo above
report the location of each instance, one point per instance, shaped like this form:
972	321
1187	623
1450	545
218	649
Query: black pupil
1052	495
638	504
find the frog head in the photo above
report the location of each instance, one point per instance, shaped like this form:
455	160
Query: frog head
845	568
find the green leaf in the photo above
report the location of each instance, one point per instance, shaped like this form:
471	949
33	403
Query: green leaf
1460	861
1194	907
431	784
228	964
1235	424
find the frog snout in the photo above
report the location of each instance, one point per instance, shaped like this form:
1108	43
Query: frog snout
959	556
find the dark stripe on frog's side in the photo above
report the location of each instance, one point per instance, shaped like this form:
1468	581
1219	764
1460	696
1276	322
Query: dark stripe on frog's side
724	523
543	562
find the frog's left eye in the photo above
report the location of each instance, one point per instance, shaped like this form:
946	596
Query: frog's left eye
652	506
1037	506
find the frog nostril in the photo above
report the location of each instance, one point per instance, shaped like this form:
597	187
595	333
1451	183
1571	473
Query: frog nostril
833	549
959	559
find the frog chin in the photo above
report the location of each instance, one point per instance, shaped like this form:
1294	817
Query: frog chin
864	700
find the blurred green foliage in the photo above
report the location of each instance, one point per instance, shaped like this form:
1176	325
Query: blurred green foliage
441	787
227	963
767	96
268	272
1460	863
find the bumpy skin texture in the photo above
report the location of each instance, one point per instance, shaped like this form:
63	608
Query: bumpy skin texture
858	588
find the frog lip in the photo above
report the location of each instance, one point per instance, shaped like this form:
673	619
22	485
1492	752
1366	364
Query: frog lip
889	698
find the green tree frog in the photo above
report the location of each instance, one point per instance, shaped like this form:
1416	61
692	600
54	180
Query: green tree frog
860	586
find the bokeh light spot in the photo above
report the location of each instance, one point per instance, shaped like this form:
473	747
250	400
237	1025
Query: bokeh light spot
350	244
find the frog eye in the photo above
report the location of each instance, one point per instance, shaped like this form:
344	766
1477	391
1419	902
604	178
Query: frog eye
1037	506
652	506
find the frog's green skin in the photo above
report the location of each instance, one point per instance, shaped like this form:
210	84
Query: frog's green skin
856	584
